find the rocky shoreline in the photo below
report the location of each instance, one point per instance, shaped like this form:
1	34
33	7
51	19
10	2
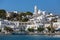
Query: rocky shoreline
43	33
30	33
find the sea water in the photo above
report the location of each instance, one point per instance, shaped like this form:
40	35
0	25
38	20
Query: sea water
29	37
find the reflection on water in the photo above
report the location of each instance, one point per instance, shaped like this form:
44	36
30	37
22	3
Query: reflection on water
53	36
56	36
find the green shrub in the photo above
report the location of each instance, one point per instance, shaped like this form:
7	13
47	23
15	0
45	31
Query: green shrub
40	29
30	29
8	29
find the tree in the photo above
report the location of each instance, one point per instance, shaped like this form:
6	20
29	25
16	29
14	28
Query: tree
22	14
2	11
22	17
13	16
40	29
51	29
8	29
29	13
2	14
25	19
30	29
54	20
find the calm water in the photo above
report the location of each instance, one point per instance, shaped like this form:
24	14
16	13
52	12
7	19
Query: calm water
29	37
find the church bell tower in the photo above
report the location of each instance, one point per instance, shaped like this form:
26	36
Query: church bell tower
35	10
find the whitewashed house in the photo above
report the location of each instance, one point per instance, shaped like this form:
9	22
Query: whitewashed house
56	25
41	19
38	19
11	24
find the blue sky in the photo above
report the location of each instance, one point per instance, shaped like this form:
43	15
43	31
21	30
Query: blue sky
28	5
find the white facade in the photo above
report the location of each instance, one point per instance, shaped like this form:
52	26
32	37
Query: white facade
8	14
39	19
35	10
56	25
11	24
15	12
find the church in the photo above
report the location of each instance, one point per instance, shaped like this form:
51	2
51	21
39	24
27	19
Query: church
40	19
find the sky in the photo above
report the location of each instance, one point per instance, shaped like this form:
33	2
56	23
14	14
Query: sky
28	5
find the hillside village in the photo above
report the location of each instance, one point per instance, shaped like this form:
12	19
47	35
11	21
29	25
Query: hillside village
39	21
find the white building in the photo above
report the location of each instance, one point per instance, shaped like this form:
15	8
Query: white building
56	25
11	24
8	14
41	19
15	11
38	19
